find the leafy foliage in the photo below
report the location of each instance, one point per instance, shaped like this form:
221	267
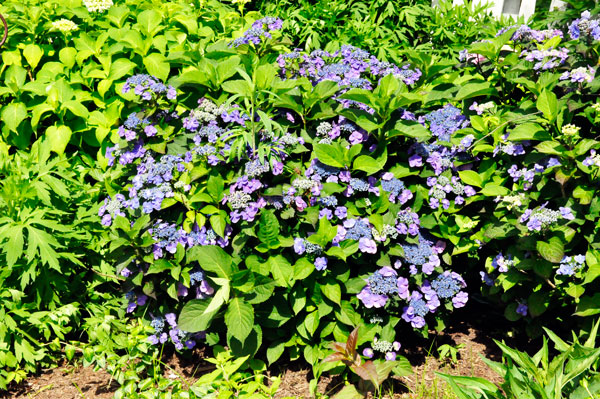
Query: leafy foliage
571	373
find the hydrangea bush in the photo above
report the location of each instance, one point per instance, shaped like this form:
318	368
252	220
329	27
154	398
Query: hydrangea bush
292	196
273	204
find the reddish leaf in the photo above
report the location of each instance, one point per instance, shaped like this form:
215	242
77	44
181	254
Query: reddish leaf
351	342
368	371
335	357
338	347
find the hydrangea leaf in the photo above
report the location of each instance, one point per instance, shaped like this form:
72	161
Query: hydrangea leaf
212	259
239	318
553	250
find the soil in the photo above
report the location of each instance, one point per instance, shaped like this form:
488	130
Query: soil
66	382
73	382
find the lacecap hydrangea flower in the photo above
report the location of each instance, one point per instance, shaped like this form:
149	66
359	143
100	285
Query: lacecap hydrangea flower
570	265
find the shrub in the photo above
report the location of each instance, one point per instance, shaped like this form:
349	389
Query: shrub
61	62
47	240
270	205
389	30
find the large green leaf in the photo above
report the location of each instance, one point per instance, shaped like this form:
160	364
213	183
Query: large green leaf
553	250
157	65
268	229
212	259
59	137
33	54
548	104
193	316
282	270
13	114
329	154
239	318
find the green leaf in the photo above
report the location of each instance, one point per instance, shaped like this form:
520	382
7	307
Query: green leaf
410	129
58	137
470	177
33	54
329	154
218	223
553	250
239	86
332	291
120	68
157	65
548	104
68	56
551	147
538	303
268	229
13	114
239	318
148	21
212	259
14	247
282	270
493	190
403	367
584	194
311	322
369	164
193	316
348	392
303	268
528	131
588	306
274	351
474	90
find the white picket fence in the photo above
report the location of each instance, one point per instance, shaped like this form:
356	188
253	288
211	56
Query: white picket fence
513	8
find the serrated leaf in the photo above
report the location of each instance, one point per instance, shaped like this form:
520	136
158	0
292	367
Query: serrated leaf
239	318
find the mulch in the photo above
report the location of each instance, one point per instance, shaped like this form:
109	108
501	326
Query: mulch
76	382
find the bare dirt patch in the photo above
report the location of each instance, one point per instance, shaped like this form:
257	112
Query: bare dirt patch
66	382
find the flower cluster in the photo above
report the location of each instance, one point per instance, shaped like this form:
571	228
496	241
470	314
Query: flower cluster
163	331
382	346
259	30
570	265
592	160
541	218
528	175
546	59
441	186
97	5
525	34
148	88
481	108
585	27
445	121
111	208
579	75
64	25
350	67
503	264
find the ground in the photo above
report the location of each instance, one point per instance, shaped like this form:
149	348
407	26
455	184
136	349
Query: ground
73	382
